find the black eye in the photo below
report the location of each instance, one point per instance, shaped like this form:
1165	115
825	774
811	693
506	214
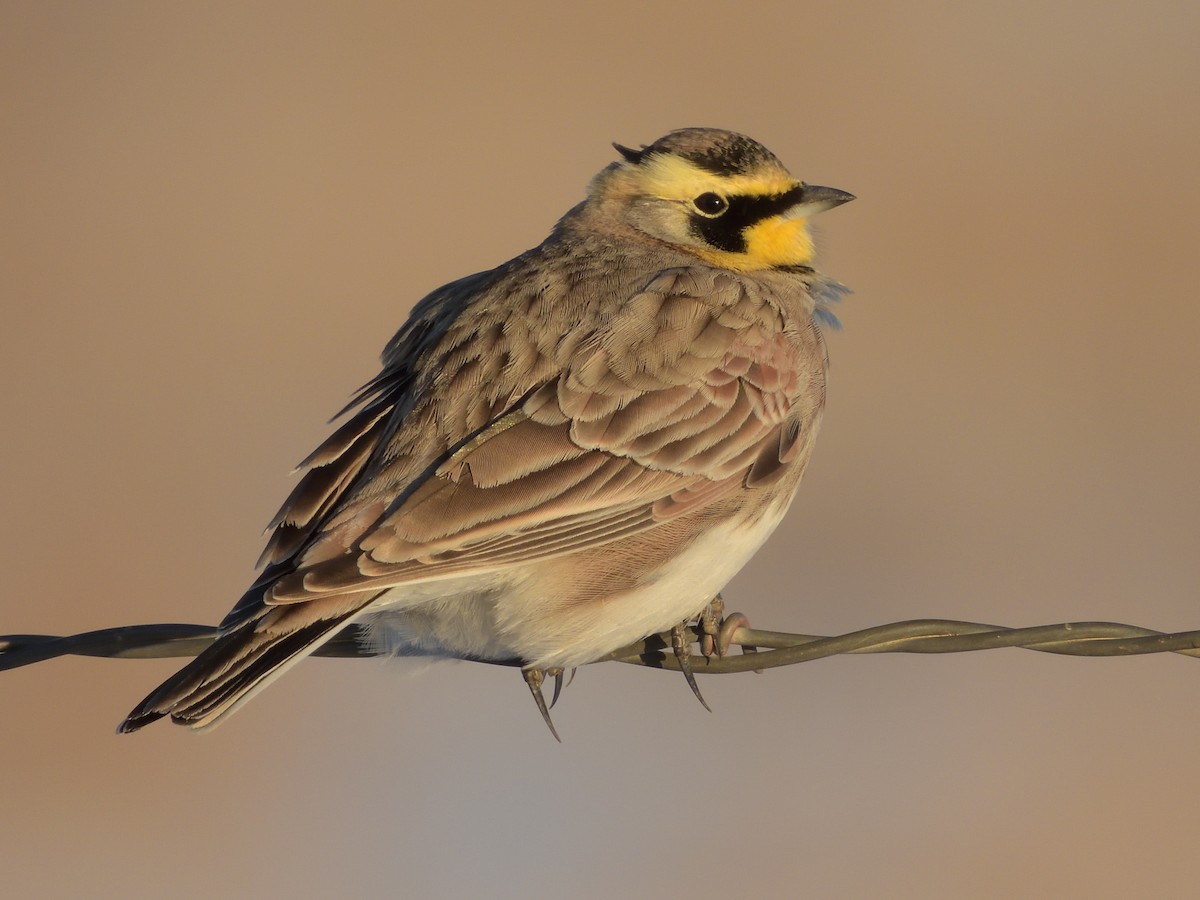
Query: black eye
711	204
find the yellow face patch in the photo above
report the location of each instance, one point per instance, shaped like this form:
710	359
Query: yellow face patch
769	244
780	242
761	244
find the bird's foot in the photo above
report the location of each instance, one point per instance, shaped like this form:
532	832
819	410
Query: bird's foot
558	683
717	629
681	646
709	624
535	678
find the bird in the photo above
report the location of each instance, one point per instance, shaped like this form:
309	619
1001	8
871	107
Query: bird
564	454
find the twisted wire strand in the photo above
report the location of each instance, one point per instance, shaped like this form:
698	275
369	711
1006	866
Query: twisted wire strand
760	649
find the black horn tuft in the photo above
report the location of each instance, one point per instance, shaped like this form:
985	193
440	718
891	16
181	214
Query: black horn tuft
633	156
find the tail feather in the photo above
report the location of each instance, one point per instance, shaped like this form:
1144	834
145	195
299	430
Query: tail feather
237	666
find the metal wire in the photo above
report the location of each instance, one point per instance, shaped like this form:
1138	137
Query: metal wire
760	649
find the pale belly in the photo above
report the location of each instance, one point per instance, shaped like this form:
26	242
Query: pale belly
527	613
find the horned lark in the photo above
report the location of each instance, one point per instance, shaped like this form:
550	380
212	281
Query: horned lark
564	454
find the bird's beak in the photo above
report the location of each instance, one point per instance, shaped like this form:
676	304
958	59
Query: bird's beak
815	199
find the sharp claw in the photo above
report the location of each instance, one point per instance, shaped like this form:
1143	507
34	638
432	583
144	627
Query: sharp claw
558	684
681	646
534	678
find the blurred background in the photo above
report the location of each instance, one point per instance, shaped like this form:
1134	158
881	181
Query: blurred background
214	216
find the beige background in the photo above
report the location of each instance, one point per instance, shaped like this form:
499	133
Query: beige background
214	217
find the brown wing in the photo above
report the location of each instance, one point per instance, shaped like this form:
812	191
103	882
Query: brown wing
671	403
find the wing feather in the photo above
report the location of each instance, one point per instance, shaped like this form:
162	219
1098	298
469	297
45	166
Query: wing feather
639	426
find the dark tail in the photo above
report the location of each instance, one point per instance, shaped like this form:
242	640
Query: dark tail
239	664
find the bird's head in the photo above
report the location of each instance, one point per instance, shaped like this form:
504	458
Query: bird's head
720	195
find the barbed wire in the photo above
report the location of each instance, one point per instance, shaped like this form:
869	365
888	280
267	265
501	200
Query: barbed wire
760	649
